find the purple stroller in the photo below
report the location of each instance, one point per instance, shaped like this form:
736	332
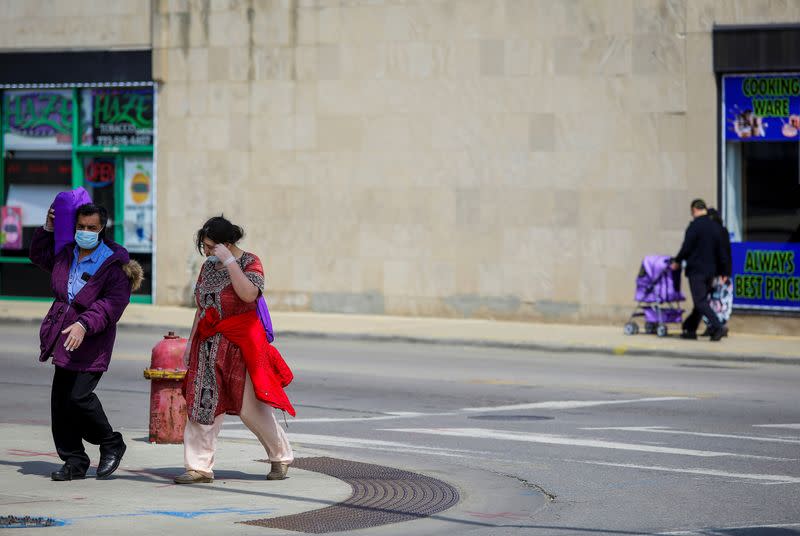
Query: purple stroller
658	291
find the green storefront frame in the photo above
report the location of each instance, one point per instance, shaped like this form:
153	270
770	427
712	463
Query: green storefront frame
78	152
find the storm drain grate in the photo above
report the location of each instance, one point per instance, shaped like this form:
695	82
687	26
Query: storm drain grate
381	495
27	522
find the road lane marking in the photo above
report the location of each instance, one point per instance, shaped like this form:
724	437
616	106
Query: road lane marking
393	415
725	531
791	426
390	415
389	446
552	404
665	430
575	404
484	433
355	442
771	479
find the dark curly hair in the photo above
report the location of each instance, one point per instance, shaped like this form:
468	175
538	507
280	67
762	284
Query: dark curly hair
220	231
699	204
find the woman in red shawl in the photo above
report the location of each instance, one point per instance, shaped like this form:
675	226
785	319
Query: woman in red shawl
232	369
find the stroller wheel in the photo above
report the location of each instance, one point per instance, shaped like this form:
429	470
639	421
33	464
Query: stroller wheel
661	330
650	327
631	328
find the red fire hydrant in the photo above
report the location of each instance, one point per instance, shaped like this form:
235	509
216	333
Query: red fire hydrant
167	406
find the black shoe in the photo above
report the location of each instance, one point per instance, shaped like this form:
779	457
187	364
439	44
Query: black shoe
109	463
689	335
66	473
721	332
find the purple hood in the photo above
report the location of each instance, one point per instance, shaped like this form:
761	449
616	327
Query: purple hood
98	306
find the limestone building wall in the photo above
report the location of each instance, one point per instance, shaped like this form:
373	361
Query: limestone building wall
503	158
74	24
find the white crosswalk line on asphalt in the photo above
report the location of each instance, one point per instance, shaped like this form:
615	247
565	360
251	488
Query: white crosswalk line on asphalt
355	442
376	444
575	404
771	479
726	531
390	416
665	430
791	426
551	405
551	439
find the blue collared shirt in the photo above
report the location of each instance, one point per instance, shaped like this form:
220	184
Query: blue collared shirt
88	265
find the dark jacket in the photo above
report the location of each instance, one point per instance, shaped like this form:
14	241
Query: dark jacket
98	306
727	260
702	248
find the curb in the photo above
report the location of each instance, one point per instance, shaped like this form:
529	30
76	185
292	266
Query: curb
564	348
559	348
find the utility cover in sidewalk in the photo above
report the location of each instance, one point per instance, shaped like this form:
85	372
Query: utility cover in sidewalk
381	495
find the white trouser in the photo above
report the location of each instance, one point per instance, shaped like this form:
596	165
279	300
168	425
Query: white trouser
200	440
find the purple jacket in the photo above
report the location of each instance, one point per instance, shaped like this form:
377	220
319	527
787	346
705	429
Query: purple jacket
98	306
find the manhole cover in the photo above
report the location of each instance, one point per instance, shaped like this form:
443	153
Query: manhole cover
511	417
381	495
27	522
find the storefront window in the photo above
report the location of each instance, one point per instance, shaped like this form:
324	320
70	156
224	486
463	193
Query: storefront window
113	161
117	117
761	191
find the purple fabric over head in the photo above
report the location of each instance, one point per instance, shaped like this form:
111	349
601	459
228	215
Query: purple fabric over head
263	315
66	206
657	283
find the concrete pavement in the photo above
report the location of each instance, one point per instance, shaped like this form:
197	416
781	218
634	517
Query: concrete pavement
140	497
470	332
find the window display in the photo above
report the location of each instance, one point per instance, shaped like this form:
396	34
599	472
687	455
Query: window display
55	140
761	188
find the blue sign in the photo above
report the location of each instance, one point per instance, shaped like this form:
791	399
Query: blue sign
762	107
766	275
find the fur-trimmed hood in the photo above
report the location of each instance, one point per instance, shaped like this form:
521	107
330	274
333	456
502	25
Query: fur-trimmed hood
135	274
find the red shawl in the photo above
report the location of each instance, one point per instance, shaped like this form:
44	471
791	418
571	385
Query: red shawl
265	365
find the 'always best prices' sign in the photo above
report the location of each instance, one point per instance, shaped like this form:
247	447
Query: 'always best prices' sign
766	275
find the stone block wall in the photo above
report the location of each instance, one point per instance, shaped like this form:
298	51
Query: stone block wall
496	158
501	158
74	24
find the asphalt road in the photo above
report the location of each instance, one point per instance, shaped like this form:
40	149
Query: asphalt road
548	444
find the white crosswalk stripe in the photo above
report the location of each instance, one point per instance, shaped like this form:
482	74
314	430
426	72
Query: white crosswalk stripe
574	404
791	426
360	443
727	531
572	441
664	430
772	479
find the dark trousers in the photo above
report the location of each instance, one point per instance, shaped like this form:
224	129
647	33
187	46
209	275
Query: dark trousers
700	287
76	415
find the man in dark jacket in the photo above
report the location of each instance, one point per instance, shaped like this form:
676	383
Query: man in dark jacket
92	280
705	258
727	268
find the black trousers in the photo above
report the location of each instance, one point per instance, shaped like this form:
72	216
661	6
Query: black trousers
701	287
77	415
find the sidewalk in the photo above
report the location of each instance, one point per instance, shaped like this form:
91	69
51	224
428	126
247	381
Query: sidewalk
140	498
489	333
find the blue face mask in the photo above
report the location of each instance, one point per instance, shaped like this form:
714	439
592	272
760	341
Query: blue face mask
212	258
87	239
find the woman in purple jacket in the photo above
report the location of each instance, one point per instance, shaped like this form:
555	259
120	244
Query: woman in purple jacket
92	280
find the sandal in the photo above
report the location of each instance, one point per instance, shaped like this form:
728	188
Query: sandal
278	471
192	477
